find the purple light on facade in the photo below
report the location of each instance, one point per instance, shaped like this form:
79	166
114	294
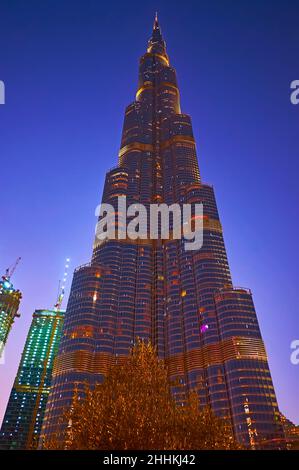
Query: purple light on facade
204	328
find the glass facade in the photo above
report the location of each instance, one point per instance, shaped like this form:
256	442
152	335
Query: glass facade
9	304
205	329
27	402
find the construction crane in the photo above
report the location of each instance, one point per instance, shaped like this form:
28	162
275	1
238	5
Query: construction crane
61	286
9	271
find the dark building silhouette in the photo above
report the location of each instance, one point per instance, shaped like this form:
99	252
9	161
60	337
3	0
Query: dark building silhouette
182	301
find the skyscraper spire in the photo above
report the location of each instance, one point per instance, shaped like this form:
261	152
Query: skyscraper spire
157	34
156	23
156	43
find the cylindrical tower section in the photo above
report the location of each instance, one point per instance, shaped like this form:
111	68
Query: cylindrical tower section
253	403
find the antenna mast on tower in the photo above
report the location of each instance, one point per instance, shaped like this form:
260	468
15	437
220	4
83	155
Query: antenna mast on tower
61	287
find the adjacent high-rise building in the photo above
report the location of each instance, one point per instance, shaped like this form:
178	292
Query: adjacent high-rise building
291	433
9	304
184	302
27	402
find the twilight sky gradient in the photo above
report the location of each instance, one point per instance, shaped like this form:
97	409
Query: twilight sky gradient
70	68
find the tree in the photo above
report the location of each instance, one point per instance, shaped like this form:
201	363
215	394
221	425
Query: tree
134	409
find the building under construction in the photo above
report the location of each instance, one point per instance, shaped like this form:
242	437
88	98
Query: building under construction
26	406
9	305
28	398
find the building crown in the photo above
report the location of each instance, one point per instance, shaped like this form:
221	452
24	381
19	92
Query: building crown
156	43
